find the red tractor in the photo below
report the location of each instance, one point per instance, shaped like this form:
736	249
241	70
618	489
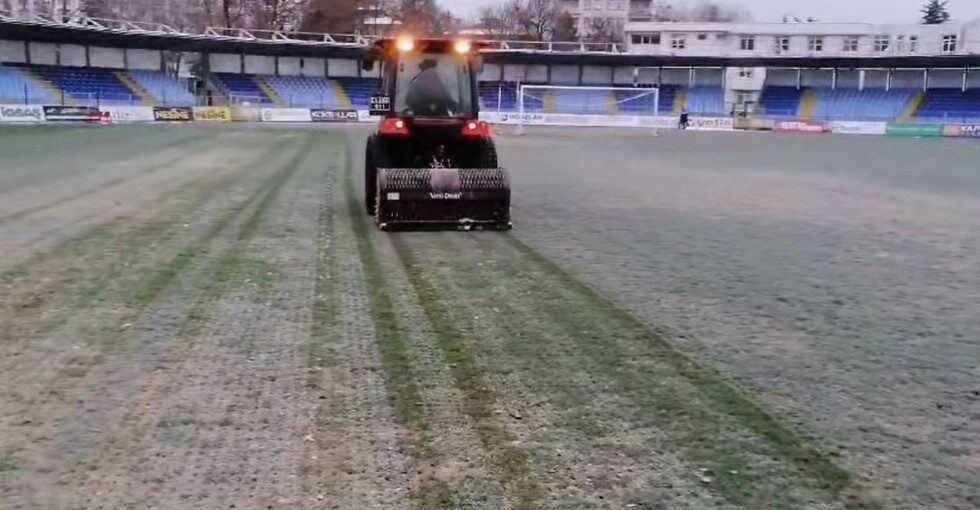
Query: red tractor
432	163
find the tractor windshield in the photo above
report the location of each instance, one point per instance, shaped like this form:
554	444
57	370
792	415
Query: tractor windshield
434	85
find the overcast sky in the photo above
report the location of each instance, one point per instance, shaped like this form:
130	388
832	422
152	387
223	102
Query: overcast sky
871	11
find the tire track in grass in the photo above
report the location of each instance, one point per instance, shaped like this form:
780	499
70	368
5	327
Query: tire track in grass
396	358
512	464
147	292
215	272
722	396
192	149
222	274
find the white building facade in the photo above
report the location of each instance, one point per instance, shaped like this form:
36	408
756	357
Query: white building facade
801	39
610	15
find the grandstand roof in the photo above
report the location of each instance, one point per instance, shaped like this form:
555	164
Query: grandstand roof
121	34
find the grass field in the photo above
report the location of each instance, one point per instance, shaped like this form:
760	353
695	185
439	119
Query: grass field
203	317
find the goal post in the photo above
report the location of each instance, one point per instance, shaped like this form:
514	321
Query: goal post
592	106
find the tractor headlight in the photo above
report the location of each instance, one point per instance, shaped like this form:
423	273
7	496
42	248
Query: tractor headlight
463	46
405	44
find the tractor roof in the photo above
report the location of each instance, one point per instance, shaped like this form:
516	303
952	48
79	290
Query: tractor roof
429	44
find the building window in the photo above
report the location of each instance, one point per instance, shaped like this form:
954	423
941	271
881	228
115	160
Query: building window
702	37
949	43
913	43
815	43
646	39
850	44
900	44
678	42
782	44
745	72
747	43
882	42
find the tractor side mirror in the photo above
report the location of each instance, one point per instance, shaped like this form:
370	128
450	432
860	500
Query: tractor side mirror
367	64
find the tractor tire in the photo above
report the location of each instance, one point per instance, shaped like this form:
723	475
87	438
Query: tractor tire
370	175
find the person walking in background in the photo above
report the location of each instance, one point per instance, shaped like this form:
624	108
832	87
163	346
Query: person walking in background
682	123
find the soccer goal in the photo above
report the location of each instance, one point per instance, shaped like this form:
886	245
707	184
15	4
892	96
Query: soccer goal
586	106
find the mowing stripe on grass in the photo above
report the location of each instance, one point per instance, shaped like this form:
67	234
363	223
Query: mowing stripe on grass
512	464
396	358
723	396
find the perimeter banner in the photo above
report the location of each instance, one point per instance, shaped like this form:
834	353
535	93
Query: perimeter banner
130	113
286	115
173	114
21	113
327	115
858	128
962	130
212	113
915	130
801	126
71	113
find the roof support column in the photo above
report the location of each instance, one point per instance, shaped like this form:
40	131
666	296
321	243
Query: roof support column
690	78
888	80
966	76
799	78
581	74
925	80
861	78
833	80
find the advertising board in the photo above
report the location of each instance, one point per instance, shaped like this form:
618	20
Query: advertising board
858	128
173	114
286	115
711	124
334	115
129	113
71	113
916	130
962	130
21	113
801	126
212	113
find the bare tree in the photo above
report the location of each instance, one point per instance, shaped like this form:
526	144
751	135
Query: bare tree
338	16
535	18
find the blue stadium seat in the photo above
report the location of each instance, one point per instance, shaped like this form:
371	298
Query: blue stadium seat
780	101
953	105
868	104
89	85
16	86
164	89
704	100
242	88
304	91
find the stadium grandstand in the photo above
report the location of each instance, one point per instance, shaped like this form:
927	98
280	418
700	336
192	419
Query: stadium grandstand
809	71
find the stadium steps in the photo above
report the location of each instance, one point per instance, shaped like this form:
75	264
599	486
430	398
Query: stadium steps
914	107
549	101
135	88
269	91
612	104
56	92
680	102
340	94
808	104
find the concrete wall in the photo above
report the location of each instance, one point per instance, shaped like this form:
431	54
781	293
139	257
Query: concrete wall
289	66
597	75
143	59
847	78
676	76
225	63
114	58
12	51
781	78
343	68
907	79
709	77
946	78
647	76
564	75
260	64
973	79
623	76
875	79
314	67
818	78
72	55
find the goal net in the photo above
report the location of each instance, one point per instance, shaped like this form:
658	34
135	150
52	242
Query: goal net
593	106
